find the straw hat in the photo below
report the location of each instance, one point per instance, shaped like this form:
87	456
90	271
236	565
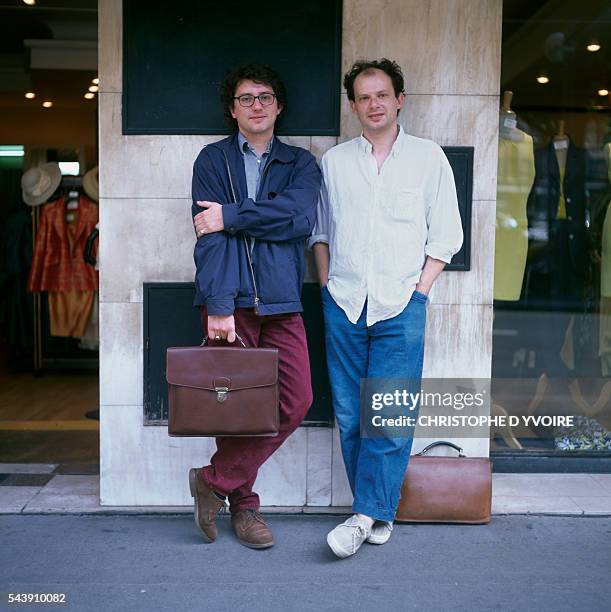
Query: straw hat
39	184
91	183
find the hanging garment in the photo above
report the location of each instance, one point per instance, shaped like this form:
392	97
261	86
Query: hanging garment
58	263
516	173
565	254
69	312
558	252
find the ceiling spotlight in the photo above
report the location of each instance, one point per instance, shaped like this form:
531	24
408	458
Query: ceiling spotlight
47	104
603	92
30	95
542	79
89	95
93	88
29	2
95	81
593	47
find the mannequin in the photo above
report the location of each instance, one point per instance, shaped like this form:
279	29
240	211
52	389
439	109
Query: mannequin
516	173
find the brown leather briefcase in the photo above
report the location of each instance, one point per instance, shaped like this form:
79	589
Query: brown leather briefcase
222	391
446	489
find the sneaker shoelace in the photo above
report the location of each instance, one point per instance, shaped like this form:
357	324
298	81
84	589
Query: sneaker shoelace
358	530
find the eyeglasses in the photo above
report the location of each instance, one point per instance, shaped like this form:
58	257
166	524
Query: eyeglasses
247	100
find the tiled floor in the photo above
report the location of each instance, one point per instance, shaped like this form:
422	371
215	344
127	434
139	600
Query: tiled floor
74	488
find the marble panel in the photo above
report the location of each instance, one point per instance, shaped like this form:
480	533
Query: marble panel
121	353
320	450
475	286
150	166
282	480
460	121
146	467
458	341
321	144
341	495
110	52
305	142
143	241
443	46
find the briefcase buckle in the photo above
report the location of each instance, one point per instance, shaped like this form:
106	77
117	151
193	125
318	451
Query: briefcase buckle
221	394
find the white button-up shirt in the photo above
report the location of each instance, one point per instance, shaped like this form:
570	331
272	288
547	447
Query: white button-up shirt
380	226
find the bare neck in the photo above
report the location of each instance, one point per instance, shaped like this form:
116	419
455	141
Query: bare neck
382	141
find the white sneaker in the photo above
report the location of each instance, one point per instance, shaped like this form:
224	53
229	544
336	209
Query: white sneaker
380	532
347	538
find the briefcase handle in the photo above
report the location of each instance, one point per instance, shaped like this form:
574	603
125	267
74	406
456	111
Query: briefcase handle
206	340
440	443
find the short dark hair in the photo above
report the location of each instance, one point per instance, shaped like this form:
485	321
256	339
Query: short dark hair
259	73
392	69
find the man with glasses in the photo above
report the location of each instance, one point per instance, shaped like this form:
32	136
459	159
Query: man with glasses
387	224
254	205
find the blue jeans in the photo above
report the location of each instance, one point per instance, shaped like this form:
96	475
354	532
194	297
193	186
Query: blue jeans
393	348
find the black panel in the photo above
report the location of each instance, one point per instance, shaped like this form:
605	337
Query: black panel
570	462
461	160
170	319
176	55
321	411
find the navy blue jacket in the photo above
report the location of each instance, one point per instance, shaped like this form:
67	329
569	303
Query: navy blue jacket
280	219
545	196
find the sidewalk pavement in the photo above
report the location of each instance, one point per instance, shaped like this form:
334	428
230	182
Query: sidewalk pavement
51	488
159	562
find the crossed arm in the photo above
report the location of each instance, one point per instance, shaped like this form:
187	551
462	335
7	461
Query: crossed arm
284	217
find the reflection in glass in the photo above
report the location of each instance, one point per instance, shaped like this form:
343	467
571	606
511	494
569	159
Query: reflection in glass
552	285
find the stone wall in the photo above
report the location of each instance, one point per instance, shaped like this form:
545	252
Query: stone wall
450	53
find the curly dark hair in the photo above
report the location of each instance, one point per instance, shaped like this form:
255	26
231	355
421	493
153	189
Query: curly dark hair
259	73
392	69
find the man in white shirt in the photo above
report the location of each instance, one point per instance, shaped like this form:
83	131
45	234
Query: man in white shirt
387	224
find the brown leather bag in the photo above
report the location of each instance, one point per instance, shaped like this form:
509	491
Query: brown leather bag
222	391
446	489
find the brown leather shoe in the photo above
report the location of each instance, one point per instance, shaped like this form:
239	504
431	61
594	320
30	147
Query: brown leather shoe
251	529
206	505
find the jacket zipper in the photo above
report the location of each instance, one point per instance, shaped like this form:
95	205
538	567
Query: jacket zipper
252	271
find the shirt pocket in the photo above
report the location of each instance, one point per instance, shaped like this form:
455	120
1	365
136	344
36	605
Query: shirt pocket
407	204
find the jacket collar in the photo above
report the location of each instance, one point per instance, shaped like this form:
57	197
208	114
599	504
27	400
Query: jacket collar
82	221
231	148
280	152
552	160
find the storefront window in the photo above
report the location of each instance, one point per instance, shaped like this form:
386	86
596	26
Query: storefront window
552	284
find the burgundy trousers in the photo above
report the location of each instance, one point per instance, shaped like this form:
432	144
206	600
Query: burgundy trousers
233	467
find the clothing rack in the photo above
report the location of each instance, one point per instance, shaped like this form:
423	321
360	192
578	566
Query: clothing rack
40	362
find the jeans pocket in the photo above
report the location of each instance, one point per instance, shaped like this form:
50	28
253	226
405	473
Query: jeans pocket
420	297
